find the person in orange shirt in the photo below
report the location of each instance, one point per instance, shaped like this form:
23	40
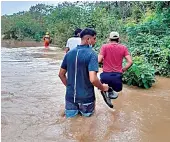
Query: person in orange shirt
46	40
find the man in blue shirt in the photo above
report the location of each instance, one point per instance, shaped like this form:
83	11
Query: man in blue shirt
81	66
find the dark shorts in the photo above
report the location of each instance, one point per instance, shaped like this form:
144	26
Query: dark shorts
85	109
113	80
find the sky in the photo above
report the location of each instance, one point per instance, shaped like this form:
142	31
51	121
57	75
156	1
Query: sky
10	7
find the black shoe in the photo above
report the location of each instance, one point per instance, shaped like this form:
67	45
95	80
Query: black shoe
107	99
113	95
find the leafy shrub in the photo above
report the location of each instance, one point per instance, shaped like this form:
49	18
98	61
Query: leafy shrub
159	57
37	37
155	50
166	41
141	74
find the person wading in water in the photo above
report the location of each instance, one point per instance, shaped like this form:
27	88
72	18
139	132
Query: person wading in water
46	39
112	55
81	66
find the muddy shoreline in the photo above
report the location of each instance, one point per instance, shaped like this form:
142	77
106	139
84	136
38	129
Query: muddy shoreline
15	44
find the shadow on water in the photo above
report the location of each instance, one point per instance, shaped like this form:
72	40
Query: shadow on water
32	105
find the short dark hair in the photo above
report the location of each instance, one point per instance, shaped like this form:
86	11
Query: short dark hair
78	30
117	39
87	31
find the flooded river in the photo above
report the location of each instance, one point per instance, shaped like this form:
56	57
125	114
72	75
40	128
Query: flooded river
32	104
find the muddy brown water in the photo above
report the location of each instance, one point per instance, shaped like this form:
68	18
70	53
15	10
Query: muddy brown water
32	102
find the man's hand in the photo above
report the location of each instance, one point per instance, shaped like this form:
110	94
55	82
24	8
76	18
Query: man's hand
96	82
105	87
124	69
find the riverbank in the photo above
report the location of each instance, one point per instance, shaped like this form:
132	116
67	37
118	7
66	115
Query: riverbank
15	44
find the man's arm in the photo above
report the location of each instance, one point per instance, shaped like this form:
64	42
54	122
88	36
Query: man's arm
96	82
67	49
62	75
67	46
43	38
101	54
100	58
128	64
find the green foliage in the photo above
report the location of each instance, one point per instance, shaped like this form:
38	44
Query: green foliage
37	37
159	58
152	40
155	50
143	26
22	26
141	73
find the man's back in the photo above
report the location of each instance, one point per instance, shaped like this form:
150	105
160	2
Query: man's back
81	64
73	42
113	54
78	62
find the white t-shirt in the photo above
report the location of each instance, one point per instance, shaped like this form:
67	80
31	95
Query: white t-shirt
73	42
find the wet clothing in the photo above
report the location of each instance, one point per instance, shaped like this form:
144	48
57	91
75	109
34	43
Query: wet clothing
46	41
85	109
113	79
113	54
78	62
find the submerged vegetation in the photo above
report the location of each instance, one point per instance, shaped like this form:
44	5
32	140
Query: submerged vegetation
144	28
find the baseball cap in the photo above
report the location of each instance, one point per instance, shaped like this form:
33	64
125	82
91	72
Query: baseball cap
114	35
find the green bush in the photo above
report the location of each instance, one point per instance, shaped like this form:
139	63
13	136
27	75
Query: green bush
155	50
141	74
37	37
144	28
159	57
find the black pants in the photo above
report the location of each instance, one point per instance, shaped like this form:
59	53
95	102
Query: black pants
113	79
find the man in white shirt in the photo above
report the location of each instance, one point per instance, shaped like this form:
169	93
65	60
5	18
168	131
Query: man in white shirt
73	41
